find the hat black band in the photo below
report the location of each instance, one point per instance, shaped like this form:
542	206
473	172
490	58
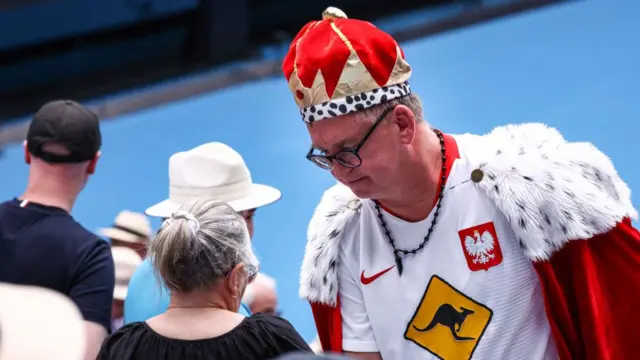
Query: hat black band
61	159
353	103
129	230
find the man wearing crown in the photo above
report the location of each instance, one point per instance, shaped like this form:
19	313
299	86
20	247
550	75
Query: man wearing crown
512	245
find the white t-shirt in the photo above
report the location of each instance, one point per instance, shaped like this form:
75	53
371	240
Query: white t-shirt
495	312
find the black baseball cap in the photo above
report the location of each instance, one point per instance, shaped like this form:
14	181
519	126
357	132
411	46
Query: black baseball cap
65	123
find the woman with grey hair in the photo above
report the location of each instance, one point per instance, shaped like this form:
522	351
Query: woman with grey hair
204	256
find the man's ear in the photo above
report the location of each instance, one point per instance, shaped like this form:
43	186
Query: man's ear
91	169
27	154
405	120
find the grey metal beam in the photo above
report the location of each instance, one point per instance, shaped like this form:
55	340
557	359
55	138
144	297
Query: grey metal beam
252	71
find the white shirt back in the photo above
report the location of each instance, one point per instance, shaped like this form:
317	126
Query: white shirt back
439	307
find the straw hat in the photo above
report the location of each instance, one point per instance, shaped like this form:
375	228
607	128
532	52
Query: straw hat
129	227
126	262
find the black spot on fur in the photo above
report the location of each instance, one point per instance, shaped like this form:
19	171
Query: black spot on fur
569	193
496	188
498	152
482	165
334	234
522	223
550	186
522	245
520	205
521	152
325	281
564	229
491	176
332	265
527	178
567	215
331	214
598	174
546	218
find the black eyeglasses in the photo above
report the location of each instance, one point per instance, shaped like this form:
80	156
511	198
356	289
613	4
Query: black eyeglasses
346	157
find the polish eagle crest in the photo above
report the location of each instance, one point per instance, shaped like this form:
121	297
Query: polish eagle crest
480	246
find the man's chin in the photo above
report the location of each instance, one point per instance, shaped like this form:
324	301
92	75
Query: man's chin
361	188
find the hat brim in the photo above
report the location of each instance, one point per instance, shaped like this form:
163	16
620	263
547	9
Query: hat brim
121	235
39	323
259	196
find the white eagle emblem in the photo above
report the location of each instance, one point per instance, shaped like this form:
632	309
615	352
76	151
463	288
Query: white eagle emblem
481	248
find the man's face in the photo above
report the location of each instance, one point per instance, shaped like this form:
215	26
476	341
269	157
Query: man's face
265	300
248	218
379	153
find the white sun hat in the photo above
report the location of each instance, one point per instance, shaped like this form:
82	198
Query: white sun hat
216	171
39	323
126	262
129	227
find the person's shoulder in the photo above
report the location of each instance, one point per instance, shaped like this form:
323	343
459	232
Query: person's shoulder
270	322
122	340
282	331
333	227
126	333
65	226
6	204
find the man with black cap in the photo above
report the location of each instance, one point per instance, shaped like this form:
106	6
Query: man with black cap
40	242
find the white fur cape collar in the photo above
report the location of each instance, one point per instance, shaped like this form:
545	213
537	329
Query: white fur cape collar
551	191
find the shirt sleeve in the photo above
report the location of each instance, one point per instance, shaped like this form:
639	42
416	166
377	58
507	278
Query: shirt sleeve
93	283
357	334
288	338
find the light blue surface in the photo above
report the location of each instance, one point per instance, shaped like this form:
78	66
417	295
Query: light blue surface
146	298
572	66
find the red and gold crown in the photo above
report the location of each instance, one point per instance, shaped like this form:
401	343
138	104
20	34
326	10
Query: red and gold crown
337	66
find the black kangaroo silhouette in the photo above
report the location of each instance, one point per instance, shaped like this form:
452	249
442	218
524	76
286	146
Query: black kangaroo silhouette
448	316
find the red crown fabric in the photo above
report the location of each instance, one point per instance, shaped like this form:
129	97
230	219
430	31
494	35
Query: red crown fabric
338	65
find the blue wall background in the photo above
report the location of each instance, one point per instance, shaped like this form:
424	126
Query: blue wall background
64	18
572	66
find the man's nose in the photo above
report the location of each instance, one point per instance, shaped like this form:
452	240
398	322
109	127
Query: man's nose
340	171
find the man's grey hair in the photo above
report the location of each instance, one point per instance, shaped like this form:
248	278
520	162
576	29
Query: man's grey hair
412	101
200	244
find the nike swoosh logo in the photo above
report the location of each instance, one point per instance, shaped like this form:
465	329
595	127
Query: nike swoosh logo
368	280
